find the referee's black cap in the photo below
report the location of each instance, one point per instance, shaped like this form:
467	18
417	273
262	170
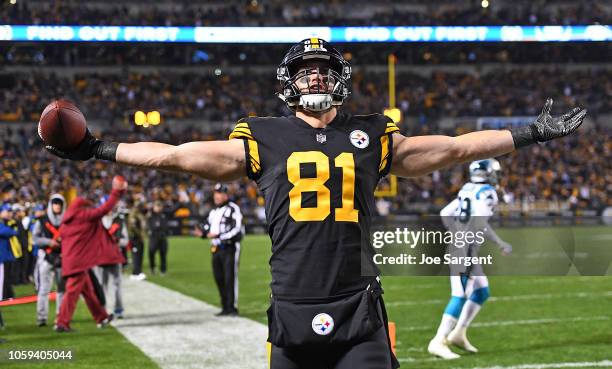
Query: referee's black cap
220	187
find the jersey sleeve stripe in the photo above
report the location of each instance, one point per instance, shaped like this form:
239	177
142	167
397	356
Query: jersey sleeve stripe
243	131
241	128
246	132
384	154
254	157
391	127
236	134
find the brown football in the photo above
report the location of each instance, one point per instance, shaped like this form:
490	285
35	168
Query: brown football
62	125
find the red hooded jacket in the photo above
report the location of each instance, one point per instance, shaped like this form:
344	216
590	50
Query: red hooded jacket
85	241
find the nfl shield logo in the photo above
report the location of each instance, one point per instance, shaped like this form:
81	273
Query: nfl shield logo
321	138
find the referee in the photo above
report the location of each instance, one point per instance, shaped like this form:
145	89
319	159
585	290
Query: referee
224	229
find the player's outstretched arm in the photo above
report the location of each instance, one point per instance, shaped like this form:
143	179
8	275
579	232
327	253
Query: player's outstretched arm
216	160
419	155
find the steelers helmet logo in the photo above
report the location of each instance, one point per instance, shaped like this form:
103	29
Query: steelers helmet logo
359	139
322	324
313	44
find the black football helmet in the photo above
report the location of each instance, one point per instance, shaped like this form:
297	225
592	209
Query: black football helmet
305	59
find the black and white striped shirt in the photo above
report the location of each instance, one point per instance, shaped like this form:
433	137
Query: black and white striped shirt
225	221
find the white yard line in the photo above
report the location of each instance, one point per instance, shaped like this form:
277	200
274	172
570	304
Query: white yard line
514	322
593	364
540	296
178	331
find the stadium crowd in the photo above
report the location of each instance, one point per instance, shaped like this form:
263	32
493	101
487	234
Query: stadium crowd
222	97
328	13
49	54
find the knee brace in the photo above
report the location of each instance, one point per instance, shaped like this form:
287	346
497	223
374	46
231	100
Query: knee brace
480	295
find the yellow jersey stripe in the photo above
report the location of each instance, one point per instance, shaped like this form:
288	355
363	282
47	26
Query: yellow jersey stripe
254	156
391	129
243	130
240	135
384	152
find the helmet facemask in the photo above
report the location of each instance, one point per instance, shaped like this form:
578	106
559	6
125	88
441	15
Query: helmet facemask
313	79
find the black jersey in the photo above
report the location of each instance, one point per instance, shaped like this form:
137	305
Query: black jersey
318	186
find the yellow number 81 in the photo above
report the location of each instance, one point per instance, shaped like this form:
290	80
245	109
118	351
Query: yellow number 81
347	213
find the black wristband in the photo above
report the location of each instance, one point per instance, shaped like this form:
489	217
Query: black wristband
523	136
106	150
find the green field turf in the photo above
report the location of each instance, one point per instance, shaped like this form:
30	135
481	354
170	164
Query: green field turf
92	347
528	320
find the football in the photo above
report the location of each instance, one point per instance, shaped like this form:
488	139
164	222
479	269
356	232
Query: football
62	125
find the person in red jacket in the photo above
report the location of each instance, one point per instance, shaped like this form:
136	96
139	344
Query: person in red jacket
85	244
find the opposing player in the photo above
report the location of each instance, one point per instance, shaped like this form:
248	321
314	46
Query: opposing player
471	210
318	170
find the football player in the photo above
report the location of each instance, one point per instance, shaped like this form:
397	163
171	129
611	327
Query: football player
471	210
317	170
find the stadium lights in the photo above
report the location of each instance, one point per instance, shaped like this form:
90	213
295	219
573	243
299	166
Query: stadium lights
484	4
13	2
153	117
143	119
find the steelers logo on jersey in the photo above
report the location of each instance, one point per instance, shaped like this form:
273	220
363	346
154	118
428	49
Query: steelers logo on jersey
322	324
359	139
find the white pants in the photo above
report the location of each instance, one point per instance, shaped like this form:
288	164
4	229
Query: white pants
459	289
44	274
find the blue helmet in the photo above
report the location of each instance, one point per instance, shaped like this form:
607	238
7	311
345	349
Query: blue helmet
485	171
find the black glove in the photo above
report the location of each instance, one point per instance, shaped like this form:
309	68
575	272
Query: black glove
546	127
88	148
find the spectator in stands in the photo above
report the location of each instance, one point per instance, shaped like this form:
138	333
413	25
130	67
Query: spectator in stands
282	13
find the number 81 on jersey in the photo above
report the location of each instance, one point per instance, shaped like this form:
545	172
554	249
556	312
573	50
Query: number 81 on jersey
345	161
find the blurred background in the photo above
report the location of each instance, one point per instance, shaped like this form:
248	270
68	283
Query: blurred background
177	92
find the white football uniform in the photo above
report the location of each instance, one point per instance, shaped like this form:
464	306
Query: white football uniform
469	212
